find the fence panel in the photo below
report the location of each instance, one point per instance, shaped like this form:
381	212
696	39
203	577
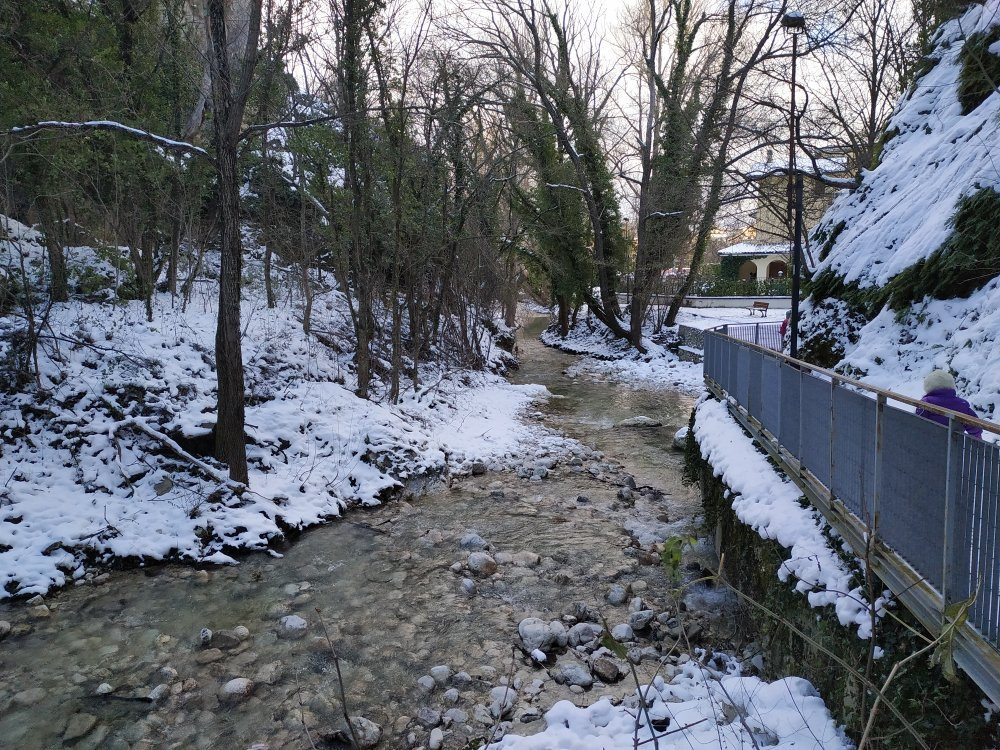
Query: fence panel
754	395
742	390
981	470
912	491
815	419
770	395
854	452
788	435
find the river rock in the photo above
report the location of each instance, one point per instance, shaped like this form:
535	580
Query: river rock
79	725
271	672
473	541
236	689
441	673
482	564
535	634
451	696
205	636
502	700
456	715
573	673
41	611
680	438
640	620
4	629
225	639
461	679
103	689
478	468
292	626
35	600
622	633
367	731
159	692
436	739
30	696
640	421
636	604
606	670
209	655
428	717
617	594
242	632
469	586
584	633
527	559
426	684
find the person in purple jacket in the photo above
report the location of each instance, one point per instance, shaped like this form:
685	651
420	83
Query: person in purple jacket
940	391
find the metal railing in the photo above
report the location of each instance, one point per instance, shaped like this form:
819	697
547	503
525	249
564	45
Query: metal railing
767	335
926	495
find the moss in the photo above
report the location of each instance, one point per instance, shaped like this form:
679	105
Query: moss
967	261
980	73
828	240
883	141
945	714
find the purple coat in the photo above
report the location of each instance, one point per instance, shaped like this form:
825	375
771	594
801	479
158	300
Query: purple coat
947	398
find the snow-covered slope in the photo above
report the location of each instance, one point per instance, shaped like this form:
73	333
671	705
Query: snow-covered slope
108	454
903	213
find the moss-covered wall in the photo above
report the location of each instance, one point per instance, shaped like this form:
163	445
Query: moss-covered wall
946	715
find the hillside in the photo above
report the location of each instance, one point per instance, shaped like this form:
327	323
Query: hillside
907	278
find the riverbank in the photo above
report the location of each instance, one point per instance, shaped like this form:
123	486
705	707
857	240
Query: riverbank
106	458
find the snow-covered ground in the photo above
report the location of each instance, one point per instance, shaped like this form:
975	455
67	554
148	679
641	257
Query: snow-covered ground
108	458
609	358
704	706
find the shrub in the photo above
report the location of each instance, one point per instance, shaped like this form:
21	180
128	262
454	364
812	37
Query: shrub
980	74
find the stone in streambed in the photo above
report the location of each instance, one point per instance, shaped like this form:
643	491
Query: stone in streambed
292	627
640	421
79	726
482	564
236	690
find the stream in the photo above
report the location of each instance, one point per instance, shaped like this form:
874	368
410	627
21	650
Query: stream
123	661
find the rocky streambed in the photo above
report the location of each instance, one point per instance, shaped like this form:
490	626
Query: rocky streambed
452	617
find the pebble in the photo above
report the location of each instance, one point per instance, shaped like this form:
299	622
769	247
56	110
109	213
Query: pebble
451	696
622	633
617	595
473	541
441	674
436	739
292	626
482	564
535	634
271	672
574	673
209	655
461	679
469	586
40	611
237	689
456	715
501	701
640	620
428	717
205	636
426	683
103	689
368	732
35	600
606	670
79	726
159	692
242	632
30	696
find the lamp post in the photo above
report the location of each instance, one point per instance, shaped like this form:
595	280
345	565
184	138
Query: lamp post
795	23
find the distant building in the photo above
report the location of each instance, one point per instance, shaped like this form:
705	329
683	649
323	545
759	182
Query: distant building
752	261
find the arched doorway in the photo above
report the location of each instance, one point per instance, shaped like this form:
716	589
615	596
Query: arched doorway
777	269
748	270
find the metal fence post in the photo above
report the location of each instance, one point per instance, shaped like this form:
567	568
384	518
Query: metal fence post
833	433
876	484
956	552
756	334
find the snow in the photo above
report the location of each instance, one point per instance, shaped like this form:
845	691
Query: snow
752	249
615	360
770	504
900	213
111	457
709	705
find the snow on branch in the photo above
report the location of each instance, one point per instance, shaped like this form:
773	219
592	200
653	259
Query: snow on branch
556	185
110	125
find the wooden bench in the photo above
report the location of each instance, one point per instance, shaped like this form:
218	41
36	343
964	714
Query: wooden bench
760	307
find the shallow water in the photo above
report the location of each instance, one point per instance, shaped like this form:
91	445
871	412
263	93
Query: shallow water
385	592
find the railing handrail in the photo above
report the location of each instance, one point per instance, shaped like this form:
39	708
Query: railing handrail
838	378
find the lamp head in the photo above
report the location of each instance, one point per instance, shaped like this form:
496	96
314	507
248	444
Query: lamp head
794	21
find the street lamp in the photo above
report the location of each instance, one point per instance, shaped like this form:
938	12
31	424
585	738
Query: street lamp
795	23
